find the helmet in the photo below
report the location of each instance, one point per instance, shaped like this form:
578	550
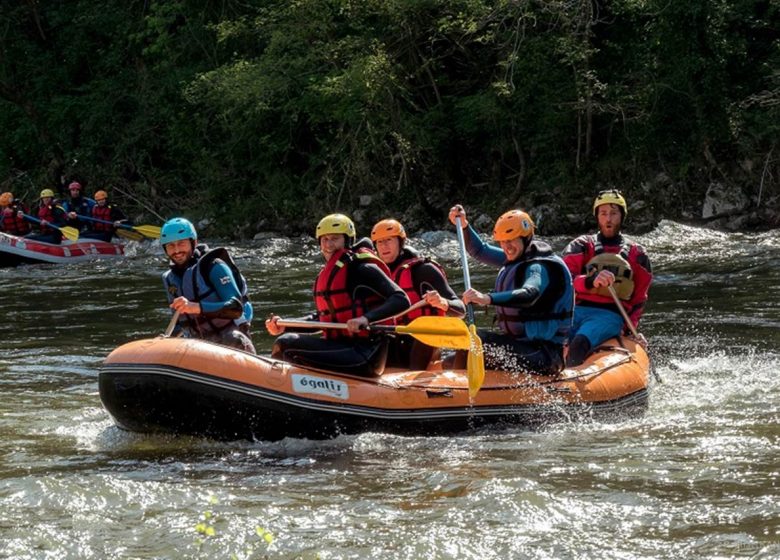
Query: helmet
47	192
513	224
6	199
611	196
176	229
100	195
385	229
336	223
74	185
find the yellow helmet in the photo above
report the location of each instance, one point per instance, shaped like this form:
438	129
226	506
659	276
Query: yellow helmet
6	199
513	224
100	195
385	229
611	196
335	223
47	193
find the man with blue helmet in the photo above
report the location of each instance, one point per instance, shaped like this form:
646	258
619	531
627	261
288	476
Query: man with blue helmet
206	288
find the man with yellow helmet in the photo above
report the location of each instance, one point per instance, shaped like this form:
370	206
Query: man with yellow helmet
533	296
422	279
12	221
353	287
597	262
49	212
105	212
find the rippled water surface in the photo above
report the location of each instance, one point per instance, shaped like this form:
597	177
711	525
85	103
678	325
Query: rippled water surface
696	477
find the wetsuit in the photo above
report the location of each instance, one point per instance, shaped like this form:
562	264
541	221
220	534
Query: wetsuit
374	296
596	318
416	276
533	297
210	278
81	205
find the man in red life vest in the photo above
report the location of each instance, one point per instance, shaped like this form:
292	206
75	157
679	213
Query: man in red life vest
49	212
102	210
596	262
353	287
11	220
421	279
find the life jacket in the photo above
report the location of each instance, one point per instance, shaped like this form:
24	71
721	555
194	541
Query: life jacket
194	284
402	274
13	224
50	214
618	263
331	295
549	317
102	213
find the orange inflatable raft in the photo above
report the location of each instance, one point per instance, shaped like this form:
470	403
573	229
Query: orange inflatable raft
179	385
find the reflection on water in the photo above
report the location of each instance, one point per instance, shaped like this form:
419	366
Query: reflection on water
695	477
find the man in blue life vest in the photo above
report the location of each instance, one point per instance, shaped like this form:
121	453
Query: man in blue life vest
422	279
596	262
11	220
353	287
206	288
102	210
77	204
49	212
533	296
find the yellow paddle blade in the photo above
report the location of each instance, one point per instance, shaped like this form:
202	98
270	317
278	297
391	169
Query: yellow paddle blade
70	233
441	332
129	234
475	365
152	232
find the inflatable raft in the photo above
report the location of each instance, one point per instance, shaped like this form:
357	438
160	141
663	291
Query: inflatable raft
17	250
189	386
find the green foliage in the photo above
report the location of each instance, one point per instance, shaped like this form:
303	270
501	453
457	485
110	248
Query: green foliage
269	113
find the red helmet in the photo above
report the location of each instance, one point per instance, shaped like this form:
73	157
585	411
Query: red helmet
74	185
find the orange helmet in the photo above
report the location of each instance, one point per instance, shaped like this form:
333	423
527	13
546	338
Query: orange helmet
6	199
513	224
100	195
385	229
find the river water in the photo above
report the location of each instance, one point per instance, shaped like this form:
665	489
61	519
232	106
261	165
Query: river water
696	477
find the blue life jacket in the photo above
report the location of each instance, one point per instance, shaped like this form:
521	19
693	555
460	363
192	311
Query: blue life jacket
549	317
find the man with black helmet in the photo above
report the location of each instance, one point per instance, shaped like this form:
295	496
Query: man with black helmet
598	262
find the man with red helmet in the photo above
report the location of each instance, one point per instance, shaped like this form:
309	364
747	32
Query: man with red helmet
533	296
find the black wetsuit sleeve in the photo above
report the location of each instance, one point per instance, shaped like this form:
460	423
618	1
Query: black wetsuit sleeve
368	279
427	277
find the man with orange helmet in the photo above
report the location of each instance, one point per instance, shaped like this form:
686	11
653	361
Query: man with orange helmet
105	212
422	279
353	287
533	295
597	262
12	221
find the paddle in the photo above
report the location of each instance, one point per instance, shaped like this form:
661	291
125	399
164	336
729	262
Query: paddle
68	232
171	325
440	332
152	232
129	234
475	364
629	324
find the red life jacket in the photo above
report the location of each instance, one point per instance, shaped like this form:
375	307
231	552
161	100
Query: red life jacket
402	275
47	213
13	224
102	213
333	300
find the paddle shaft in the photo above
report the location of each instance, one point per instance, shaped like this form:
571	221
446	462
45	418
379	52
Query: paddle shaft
465	264
375	328
99	221
630	325
171	325
152	232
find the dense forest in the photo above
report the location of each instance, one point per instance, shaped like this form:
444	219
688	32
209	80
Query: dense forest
266	114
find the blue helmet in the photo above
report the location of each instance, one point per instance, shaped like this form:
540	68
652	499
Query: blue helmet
176	229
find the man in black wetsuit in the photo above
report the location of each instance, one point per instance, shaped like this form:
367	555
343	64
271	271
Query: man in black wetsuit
353	287
422	279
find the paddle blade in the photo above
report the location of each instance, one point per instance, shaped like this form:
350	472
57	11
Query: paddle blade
70	233
152	232
129	234
440	332
475	365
